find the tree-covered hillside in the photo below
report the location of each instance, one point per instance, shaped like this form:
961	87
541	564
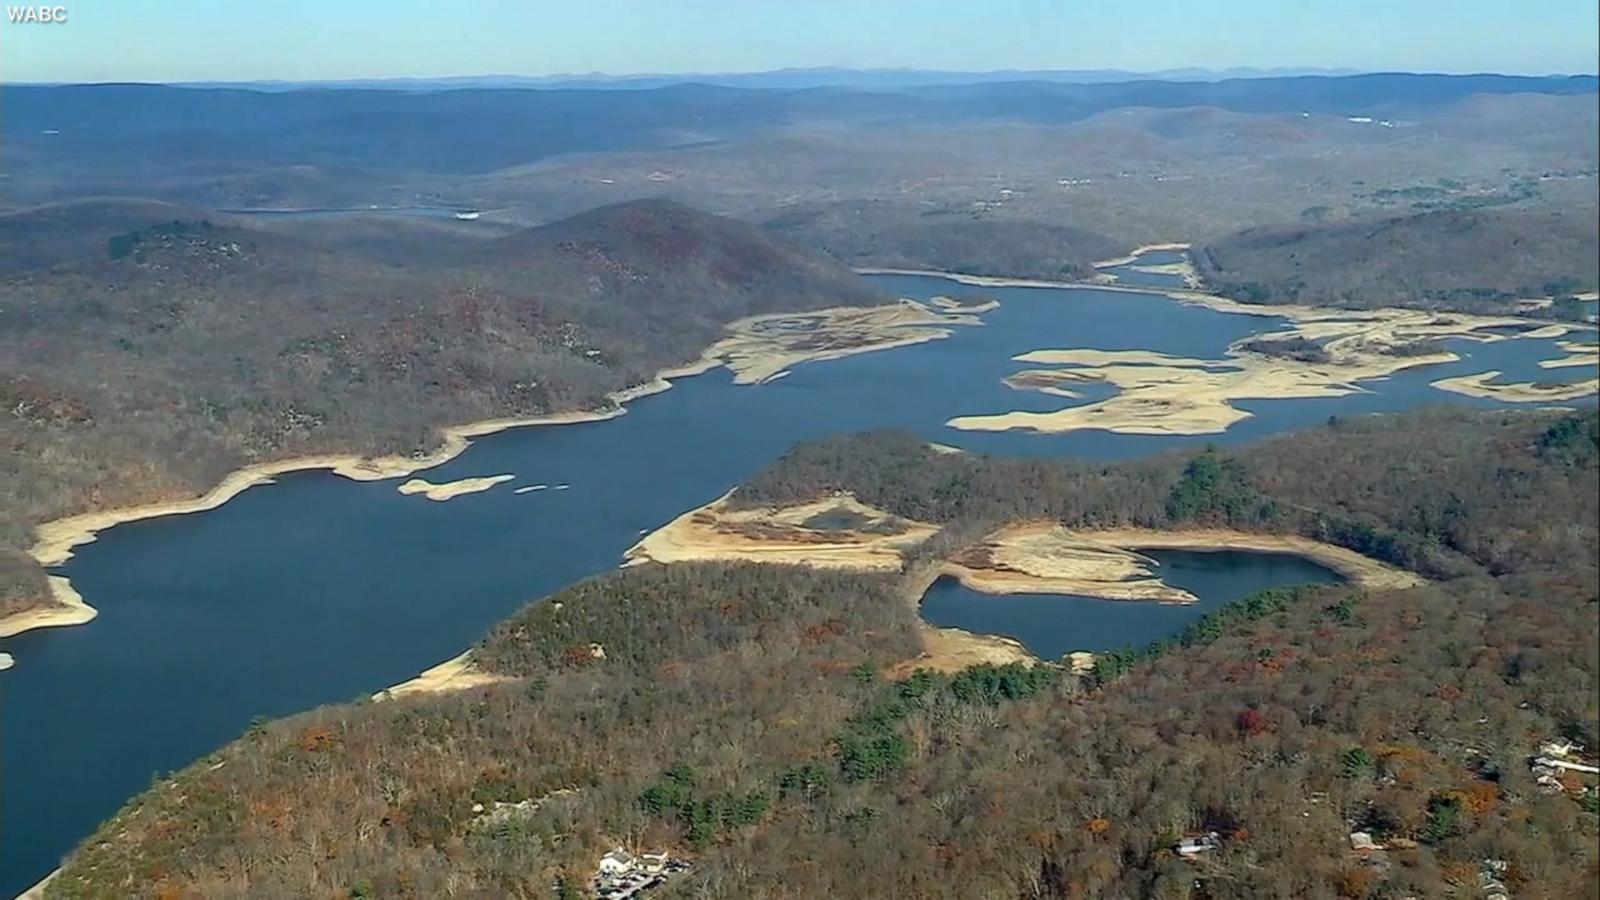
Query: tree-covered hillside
180	349
738	714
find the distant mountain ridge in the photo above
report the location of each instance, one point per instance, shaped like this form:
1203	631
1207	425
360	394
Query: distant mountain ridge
786	78
149	128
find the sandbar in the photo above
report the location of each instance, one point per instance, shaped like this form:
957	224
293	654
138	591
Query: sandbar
451	489
1045	381
1160	394
951	304
1482	385
1578	354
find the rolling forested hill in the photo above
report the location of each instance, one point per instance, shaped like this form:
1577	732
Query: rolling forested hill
736	715
181	348
1472	259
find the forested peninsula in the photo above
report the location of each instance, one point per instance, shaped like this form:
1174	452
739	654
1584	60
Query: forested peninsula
756	720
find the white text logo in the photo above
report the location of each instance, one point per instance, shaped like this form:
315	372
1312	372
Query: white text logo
36	15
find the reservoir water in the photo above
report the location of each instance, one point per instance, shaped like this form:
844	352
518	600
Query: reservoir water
318	589
1051	625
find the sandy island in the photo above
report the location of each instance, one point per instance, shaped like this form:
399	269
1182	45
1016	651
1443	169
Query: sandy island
763	348
1483	385
1160	394
1578	354
449	489
756	349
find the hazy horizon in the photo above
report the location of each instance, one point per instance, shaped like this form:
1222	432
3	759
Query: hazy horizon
168	41
879	76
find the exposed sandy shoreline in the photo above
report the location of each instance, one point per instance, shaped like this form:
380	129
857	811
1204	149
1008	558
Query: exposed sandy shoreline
1045	558
1363	571
54	541
780	536
950	650
450	489
996	281
716	532
1051	559
1025	557
1138	252
455	674
67	608
37	891
1216	301
756	349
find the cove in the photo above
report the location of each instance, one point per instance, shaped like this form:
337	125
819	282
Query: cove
1052	625
317	589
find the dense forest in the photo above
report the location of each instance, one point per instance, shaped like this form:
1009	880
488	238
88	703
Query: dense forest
177	350
1471	260
972	241
737	714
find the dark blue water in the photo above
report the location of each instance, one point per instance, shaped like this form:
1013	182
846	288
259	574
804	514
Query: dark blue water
318	589
1052	626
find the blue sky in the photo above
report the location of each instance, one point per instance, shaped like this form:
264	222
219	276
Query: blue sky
190	40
